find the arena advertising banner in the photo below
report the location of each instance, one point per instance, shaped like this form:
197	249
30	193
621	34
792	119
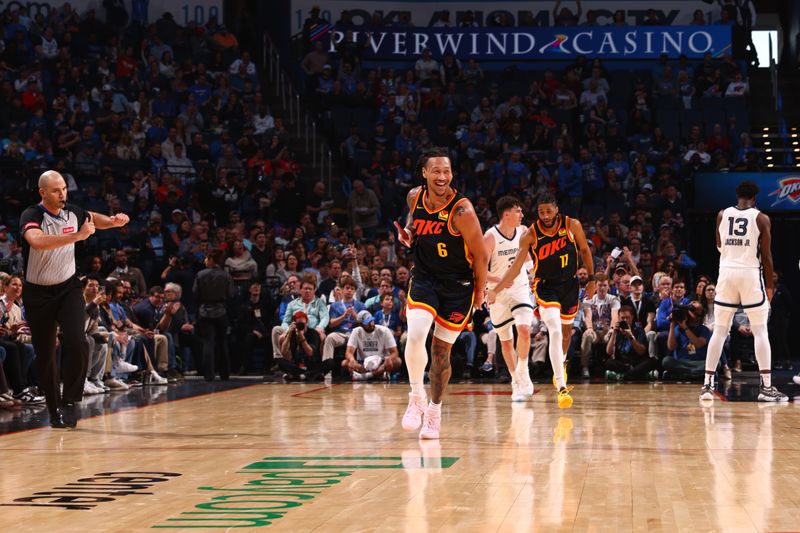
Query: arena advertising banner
198	11
778	191
508	44
423	13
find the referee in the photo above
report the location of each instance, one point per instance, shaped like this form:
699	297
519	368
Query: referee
53	294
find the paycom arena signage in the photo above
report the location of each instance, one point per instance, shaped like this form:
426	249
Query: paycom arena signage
504	44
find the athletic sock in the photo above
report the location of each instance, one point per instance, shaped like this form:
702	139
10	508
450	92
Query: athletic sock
715	345
709	379
437	407
418	389
763	352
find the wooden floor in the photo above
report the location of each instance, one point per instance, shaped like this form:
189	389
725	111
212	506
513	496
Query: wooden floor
320	458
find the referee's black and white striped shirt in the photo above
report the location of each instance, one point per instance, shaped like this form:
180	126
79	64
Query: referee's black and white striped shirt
50	267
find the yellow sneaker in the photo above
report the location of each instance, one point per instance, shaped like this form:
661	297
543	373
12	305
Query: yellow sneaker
565	377
564	399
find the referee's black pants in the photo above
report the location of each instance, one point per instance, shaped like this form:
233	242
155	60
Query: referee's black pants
213	331
46	308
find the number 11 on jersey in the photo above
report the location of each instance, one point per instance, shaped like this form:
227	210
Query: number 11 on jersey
564	260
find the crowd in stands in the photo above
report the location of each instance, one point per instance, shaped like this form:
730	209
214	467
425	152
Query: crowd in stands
171	125
728	12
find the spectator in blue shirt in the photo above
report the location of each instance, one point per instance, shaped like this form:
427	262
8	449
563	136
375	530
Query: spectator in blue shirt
591	173
201	91
517	174
619	164
687	343
570	184
387	316
665	307
344	317
164	105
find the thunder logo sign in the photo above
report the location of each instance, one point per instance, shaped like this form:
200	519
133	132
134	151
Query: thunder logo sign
788	189
557	45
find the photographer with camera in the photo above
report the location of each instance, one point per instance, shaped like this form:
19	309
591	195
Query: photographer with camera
301	358
627	349
677	297
687	343
314	307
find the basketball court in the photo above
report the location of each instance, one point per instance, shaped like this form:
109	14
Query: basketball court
334	458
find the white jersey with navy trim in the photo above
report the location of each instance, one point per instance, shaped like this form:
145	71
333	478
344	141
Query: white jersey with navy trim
505	252
739	238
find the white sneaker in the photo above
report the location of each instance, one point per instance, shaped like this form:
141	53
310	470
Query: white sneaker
527	387
100	385
413	415
517	395
155	379
796	379
358	376
115	385
124	367
432	424
89	388
771	394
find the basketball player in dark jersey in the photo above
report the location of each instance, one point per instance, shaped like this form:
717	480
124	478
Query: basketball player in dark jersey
447	281
554	242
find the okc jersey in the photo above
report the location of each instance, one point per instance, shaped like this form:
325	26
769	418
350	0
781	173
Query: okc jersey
555	252
439	249
505	251
739	238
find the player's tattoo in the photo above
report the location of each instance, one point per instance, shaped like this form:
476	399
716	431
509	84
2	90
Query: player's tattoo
460	209
440	369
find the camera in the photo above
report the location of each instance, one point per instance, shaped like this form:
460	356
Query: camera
616	252
300	326
623	325
680	313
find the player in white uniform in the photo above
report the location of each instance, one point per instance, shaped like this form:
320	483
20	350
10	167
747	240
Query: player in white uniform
513	306
744	241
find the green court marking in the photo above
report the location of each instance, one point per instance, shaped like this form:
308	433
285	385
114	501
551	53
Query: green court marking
294	463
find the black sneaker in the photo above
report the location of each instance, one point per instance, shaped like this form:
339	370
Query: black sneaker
771	394
707	392
29	397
